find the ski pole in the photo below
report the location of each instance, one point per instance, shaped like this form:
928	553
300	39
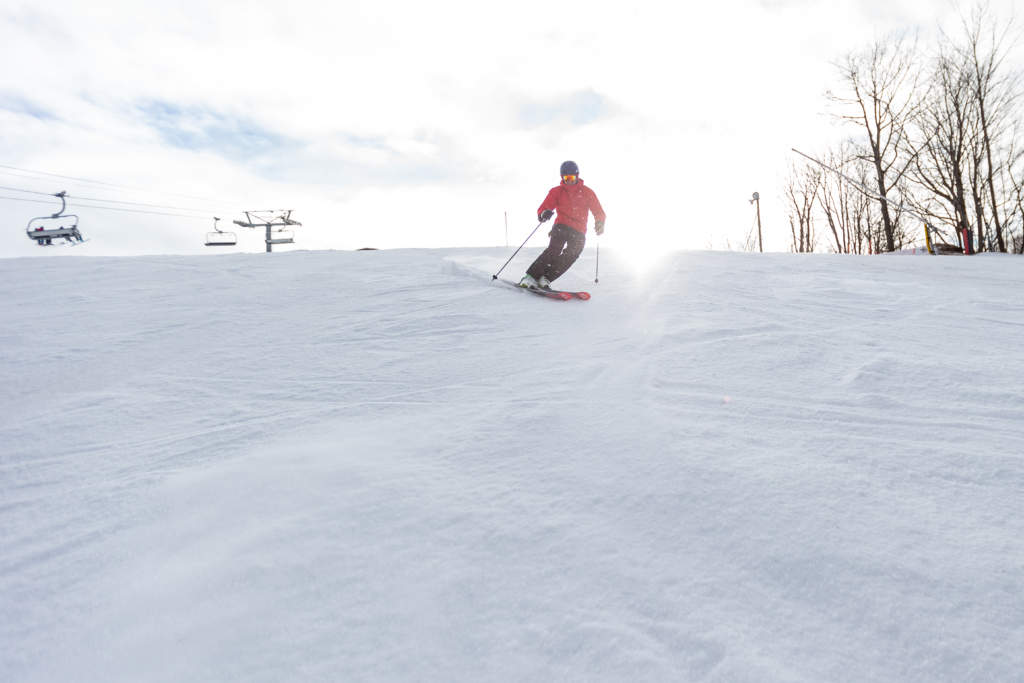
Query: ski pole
495	276
597	259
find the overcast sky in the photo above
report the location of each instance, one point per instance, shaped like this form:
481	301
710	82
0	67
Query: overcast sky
417	124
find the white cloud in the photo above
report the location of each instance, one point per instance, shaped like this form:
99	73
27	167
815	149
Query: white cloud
413	124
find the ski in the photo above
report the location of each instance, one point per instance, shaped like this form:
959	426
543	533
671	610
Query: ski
548	293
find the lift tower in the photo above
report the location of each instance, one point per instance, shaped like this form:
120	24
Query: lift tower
277	222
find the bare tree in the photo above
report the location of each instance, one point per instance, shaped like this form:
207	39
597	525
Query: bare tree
1016	213
947	148
1013	189
846	207
866	218
801	192
879	96
964	136
995	93
950	154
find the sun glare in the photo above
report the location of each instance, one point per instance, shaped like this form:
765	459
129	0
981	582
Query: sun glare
638	256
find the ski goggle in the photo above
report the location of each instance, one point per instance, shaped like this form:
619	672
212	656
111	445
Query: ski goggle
571	178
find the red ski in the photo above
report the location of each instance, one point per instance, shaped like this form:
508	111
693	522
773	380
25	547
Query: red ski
549	293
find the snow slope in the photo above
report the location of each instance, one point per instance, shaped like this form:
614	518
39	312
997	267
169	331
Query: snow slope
380	466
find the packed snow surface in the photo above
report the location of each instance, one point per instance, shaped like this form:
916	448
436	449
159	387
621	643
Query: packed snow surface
383	466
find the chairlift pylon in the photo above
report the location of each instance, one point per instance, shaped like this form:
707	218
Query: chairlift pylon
278	224
43	235
220	238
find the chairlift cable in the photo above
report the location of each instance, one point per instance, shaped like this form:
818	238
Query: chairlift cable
100	182
108	208
151	213
52	175
108	201
153	206
23	199
18	189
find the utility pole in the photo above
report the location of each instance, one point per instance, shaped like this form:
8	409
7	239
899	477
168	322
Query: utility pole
757	200
282	220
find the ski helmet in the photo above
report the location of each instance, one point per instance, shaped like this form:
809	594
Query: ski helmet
569	168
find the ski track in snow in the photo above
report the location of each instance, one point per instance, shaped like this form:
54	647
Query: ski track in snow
382	466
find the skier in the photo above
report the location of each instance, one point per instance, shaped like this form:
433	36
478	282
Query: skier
570	203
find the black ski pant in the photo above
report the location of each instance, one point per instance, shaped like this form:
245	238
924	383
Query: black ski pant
565	247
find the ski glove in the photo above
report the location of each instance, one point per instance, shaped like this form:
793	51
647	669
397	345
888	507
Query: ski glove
545	215
599	227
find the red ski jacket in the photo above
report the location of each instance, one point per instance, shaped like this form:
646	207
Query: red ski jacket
571	204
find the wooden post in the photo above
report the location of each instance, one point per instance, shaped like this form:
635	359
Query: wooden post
757	200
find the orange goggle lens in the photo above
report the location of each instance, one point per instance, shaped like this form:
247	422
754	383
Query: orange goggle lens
569	178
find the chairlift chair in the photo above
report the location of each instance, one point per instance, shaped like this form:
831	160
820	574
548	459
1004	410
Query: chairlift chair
220	238
38	230
283	237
